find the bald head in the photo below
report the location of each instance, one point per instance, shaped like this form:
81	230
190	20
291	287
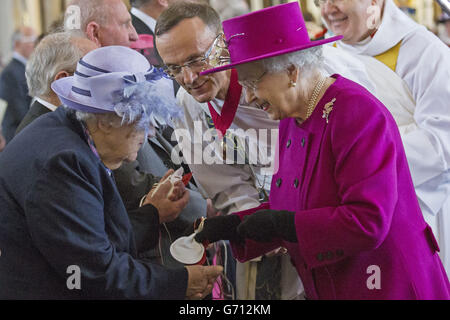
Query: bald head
105	22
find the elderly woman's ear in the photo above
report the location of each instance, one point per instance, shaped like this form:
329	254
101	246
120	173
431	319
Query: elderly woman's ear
293	75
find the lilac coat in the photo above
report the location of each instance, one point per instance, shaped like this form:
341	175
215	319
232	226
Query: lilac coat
361	234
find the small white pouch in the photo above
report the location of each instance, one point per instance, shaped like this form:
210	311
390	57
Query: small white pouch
173	178
188	251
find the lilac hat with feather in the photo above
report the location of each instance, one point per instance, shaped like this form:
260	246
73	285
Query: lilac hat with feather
120	80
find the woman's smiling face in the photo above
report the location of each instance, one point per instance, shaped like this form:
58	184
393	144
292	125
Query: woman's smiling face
266	91
348	18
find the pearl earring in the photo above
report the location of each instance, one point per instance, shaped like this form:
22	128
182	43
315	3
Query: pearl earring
292	84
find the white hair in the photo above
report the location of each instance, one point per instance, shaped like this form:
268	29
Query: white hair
55	53
16	36
308	61
90	10
110	118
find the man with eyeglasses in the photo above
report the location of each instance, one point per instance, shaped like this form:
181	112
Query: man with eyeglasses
13	84
379	29
189	40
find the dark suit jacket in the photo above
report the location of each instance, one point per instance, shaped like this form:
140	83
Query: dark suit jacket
142	28
14	90
61	208
37	109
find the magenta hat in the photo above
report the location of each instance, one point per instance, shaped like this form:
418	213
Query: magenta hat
266	33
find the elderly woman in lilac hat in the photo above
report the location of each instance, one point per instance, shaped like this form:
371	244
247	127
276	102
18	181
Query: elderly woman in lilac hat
342	201
64	230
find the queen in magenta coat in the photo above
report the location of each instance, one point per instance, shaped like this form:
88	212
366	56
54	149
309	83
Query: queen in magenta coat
342	201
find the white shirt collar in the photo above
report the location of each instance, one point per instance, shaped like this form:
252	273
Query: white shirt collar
47	104
20	57
149	21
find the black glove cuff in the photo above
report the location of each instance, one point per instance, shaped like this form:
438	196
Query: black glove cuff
285	226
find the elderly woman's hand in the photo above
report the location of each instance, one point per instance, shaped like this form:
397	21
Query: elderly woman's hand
170	199
201	280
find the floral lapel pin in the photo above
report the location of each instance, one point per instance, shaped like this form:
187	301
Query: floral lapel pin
327	109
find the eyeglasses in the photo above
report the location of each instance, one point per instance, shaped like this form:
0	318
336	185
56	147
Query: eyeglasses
252	84
216	55
319	3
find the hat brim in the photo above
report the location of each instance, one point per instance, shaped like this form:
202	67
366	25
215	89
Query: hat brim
63	87
272	54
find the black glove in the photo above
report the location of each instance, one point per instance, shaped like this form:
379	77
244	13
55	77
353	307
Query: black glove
264	225
220	228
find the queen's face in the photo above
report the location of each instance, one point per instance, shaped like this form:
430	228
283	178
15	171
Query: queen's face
267	91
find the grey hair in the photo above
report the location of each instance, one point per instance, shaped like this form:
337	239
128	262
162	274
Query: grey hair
56	52
308	60
90	10
110	118
16	36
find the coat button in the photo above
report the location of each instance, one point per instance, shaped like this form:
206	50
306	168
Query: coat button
330	255
319	257
279	182
296	183
339	253
303	142
288	144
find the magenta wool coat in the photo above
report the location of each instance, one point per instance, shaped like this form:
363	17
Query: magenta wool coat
361	234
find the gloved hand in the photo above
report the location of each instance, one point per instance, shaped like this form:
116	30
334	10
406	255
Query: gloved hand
219	228
264	225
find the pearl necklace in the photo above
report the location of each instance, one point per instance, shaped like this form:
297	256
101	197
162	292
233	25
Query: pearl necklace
314	96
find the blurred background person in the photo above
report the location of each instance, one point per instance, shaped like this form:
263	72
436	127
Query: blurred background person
13	84
55	57
144	14
106	22
230	9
